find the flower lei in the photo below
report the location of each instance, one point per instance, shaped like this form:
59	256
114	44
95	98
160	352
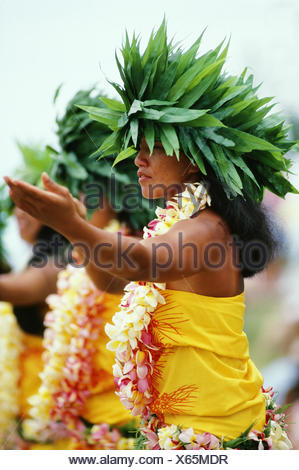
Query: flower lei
134	364
130	338
10	349
73	327
69	340
155	436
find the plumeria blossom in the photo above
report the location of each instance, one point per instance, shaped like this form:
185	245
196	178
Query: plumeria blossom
129	336
10	350
280	440
168	437
73	326
194	441
261	438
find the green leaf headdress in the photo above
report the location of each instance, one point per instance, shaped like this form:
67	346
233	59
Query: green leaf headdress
189	104
36	159
79	137
5	212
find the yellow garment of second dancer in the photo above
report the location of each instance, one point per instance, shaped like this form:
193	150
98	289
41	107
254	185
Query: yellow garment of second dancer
203	376
103	405
31	364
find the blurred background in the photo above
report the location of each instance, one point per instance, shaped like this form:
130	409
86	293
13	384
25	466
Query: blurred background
44	44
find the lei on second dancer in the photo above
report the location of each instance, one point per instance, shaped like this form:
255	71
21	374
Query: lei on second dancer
74	325
10	350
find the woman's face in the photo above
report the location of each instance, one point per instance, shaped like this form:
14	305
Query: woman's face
29	227
161	175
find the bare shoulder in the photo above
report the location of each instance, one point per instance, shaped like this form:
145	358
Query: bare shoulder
205	223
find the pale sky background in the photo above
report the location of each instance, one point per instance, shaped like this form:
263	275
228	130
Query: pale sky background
44	43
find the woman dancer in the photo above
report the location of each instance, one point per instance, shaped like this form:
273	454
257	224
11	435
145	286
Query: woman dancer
205	143
77	393
22	296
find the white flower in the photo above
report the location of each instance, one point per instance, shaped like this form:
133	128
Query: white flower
188	436
280	440
167	435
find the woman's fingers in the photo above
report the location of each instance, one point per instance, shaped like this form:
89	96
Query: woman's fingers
54	187
22	202
7	180
28	197
81	209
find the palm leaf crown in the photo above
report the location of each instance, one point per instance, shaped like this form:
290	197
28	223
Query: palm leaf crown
36	159
79	136
5	212
189	104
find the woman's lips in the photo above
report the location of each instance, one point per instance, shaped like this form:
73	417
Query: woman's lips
142	176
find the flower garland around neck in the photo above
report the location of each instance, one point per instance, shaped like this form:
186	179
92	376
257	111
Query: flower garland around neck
10	350
73	326
129	336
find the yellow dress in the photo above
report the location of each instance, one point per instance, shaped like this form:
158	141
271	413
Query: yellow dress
31	364
103	405
203	376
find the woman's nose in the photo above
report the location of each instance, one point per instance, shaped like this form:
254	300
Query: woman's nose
141	159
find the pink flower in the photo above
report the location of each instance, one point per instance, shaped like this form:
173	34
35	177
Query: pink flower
142	372
133	375
260	438
268	390
206	441
146	338
100	431
142	385
152	225
152	439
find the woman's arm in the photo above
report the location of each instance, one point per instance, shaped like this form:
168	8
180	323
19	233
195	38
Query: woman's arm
177	254
29	287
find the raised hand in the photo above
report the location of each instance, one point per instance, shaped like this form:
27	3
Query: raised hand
54	207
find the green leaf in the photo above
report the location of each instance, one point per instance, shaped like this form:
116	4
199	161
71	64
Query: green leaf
178	115
205	72
181	85
121	93
136	106
134	124
57	91
114	105
196	93
164	82
231	93
196	154
73	167
152	114
239	161
204	121
168	133
149	133
211	134
124	154
247	142
158	103
101	112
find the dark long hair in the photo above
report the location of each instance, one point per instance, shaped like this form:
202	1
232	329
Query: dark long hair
251	225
